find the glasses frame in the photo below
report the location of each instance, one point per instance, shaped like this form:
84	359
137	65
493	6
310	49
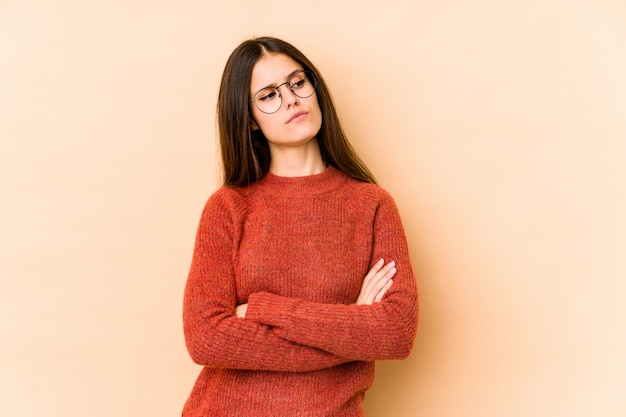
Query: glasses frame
310	75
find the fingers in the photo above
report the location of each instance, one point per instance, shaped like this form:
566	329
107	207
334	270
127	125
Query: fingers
382	277
376	282
375	269
383	291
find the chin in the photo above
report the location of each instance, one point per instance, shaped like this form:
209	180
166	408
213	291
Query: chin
293	142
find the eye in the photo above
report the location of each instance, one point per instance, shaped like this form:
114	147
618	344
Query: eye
298	84
266	95
298	81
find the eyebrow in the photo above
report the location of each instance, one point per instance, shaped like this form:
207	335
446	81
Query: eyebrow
273	85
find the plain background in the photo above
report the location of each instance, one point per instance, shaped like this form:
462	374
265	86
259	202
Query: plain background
498	126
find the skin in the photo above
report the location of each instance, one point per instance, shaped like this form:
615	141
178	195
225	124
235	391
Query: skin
295	151
293	144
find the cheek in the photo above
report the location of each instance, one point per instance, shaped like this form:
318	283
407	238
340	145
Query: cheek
318	112
264	125
316	105
258	120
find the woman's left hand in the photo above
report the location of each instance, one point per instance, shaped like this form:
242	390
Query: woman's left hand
240	310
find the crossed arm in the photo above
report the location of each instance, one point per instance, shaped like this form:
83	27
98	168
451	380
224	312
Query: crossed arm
277	333
375	285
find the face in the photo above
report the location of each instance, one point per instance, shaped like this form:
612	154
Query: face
298	120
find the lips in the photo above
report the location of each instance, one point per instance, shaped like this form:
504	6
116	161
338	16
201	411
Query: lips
295	115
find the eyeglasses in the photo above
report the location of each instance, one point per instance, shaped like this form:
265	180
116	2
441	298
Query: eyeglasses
269	100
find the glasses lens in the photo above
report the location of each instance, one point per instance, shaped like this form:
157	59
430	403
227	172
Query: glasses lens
268	100
302	84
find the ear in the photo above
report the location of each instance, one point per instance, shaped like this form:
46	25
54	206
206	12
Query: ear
253	125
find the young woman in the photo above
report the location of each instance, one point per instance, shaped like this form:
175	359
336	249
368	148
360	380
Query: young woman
300	277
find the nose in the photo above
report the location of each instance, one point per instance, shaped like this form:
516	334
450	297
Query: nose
288	97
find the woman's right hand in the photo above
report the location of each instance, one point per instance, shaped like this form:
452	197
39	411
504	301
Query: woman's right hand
376	282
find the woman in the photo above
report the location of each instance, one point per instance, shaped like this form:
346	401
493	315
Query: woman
300	277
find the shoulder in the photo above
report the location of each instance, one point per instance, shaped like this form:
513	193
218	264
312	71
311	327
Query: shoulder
226	195
367	200
367	192
227	202
375	201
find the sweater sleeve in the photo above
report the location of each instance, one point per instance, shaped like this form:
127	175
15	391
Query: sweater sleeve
381	331
214	335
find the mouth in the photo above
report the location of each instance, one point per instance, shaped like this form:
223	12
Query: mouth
296	116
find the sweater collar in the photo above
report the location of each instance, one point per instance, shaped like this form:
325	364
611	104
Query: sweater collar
330	179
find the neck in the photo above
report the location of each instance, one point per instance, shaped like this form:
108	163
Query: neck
298	161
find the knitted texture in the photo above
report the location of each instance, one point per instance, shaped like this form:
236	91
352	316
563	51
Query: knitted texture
296	250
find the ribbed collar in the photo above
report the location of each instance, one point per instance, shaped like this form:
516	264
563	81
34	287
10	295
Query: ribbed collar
330	179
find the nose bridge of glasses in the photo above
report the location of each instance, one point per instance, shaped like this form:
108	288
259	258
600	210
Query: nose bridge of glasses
288	84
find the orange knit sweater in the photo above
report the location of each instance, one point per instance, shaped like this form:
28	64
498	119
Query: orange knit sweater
296	250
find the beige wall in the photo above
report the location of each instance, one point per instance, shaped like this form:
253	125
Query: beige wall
499	127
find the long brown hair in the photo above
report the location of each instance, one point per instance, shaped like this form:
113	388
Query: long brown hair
245	152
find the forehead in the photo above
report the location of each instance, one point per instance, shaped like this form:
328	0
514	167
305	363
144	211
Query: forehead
272	69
